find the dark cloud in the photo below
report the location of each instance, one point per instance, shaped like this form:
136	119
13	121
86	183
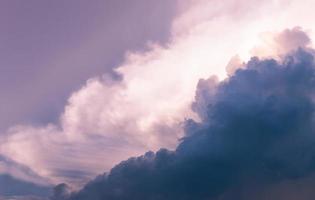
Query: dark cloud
10	186
61	192
256	129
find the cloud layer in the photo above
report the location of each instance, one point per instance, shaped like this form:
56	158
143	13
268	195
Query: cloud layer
11	187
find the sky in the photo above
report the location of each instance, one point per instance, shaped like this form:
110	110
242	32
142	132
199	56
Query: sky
88	84
49	49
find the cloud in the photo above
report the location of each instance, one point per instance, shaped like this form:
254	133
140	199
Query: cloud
70	42
21	172
257	130
11	188
109	120
282	43
115	119
61	192
18	182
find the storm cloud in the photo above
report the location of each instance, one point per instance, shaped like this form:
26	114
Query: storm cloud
257	128
110	119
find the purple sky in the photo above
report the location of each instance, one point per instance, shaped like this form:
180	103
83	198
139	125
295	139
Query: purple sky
50	48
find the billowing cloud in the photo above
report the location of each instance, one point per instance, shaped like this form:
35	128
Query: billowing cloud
256	129
109	120
282	43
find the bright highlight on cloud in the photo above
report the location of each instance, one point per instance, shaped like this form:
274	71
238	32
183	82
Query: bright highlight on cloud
111	118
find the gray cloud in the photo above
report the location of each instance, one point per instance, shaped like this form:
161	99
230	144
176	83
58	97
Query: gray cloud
12	187
61	192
